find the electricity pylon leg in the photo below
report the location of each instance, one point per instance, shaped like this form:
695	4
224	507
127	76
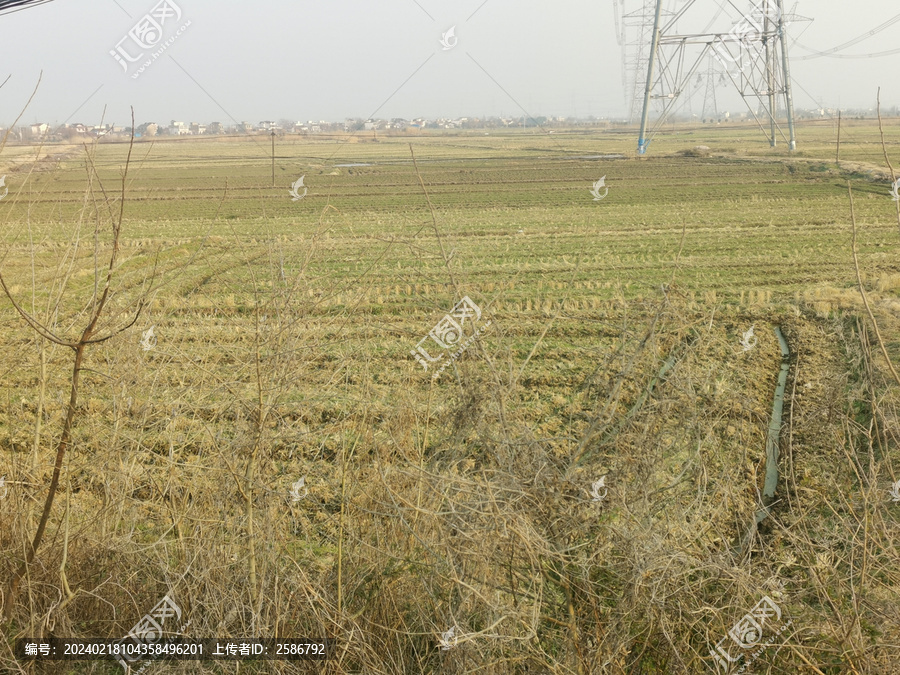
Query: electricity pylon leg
770	79
759	34
786	73
654	45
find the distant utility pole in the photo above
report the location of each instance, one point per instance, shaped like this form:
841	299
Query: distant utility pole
273	156
838	157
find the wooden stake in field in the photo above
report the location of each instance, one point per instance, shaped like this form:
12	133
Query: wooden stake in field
273	156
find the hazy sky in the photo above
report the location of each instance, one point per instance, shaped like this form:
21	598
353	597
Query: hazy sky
333	59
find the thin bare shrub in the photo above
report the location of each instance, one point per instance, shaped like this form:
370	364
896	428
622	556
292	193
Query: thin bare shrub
93	333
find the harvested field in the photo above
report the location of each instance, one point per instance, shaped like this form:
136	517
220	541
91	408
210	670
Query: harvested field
281	349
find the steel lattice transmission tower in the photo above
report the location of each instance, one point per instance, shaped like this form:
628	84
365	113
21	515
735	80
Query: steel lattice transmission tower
636	31
753	54
709	97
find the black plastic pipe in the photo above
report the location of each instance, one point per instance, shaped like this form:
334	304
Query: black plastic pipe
771	482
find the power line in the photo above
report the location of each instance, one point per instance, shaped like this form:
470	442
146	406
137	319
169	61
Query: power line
856	40
9	6
826	111
873	55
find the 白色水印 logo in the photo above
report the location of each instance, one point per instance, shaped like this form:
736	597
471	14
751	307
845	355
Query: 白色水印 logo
596	189
146	35
295	189
748	341
449	639
745	635
596	487
299	489
449	39
148	339
895	492
148	630
448	334
748	30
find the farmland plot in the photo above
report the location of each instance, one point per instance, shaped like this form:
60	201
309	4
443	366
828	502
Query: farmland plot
613	343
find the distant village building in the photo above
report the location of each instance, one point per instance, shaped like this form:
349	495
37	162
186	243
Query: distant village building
71	132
